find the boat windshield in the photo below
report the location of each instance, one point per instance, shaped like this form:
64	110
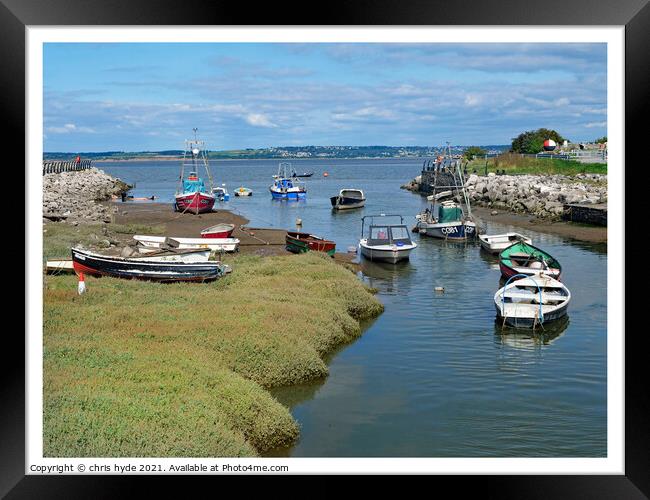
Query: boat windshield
379	235
400	234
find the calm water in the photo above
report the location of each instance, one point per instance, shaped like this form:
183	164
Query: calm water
433	376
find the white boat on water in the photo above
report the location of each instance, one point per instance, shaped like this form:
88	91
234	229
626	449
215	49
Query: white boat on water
348	199
385	242
531	301
210	244
495	243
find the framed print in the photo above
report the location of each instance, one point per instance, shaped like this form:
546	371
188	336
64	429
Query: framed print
390	243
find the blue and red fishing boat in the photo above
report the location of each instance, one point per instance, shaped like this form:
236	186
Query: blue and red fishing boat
192	195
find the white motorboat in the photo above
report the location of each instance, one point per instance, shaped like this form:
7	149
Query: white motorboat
495	243
348	199
531	301
385	242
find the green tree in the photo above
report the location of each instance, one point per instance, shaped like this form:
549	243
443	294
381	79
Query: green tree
473	151
601	140
532	141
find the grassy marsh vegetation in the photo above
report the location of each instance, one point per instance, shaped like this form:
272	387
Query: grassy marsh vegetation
147	369
517	164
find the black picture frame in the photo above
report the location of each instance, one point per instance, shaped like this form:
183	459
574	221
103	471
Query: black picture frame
15	15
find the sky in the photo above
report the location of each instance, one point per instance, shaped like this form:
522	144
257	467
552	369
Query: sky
149	96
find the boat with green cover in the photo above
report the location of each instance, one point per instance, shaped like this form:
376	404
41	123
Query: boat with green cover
522	258
298	242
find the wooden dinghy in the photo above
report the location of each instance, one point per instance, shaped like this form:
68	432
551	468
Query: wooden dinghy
531	301
212	244
523	258
495	243
218	231
59	266
145	267
298	242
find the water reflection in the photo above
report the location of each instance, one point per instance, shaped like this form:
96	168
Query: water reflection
518	338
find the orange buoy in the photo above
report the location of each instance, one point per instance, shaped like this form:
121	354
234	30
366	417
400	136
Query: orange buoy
81	288
325	174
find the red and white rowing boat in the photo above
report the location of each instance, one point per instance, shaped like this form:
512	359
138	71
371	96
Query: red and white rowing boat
218	231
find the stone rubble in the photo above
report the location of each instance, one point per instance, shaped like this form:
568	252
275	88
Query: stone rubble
73	196
543	196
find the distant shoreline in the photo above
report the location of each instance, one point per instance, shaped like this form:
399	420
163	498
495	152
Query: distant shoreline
135	160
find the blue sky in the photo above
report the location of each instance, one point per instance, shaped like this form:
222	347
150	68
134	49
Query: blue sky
149	96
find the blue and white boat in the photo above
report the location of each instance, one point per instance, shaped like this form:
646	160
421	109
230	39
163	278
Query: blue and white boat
285	187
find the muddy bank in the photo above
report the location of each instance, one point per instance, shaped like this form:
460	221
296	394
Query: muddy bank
253	240
571	230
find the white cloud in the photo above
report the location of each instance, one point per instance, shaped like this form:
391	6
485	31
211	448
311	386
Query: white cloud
595	124
259	120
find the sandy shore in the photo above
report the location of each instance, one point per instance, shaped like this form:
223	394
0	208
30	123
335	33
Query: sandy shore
572	230
253	240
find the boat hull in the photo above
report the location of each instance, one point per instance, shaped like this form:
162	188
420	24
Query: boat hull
212	244
448	230
508	272
496	247
100	265
306	243
195	203
343	203
288	195
520	322
392	255
221	231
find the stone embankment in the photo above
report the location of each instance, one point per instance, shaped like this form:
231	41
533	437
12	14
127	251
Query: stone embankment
541	195
73	196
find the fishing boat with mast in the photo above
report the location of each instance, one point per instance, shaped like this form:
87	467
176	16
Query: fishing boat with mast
449	215
192	195
285	186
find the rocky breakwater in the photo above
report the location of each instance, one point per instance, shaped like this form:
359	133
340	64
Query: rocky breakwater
73	196
541	195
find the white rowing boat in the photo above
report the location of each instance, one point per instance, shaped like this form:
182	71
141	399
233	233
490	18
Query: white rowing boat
212	244
495	243
532	301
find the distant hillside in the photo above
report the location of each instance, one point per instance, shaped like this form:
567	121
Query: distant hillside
282	152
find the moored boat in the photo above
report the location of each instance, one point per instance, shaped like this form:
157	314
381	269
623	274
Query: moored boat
348	199
531	301
218	231
285	187
210	244
243	191
221	193
192	195
524	259
496	243
298	242
385	242
144	267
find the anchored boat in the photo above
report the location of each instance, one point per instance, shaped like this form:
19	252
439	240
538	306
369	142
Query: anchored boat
221	193
147	267
531	301
446	217
524	259
348	199
385	242
285	187
192	195
298	242
496	243
243	191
